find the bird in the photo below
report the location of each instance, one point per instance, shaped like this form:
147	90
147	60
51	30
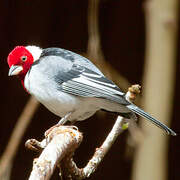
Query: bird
70	85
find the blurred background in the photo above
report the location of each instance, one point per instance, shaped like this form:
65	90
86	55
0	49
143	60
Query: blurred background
139	41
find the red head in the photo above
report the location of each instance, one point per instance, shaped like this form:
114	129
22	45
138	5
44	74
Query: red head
19	61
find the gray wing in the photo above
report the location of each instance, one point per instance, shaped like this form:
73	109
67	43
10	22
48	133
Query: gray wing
76	75
81	81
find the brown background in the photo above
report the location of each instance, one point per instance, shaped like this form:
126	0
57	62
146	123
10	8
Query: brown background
63	24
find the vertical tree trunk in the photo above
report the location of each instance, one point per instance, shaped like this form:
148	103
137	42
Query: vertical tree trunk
150	161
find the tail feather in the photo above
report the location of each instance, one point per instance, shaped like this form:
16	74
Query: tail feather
140	112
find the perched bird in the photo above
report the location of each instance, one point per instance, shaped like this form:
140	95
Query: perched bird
69	85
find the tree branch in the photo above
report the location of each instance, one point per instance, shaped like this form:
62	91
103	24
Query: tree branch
61	140
19	129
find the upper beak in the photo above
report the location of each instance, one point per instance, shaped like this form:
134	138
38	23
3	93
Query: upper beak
15	70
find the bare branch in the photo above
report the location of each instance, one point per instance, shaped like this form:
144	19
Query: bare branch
17	134
92	165
94	46
60	141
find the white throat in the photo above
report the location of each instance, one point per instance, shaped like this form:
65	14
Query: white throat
35	51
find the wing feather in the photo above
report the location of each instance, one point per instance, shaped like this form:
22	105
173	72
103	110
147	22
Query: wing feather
81	81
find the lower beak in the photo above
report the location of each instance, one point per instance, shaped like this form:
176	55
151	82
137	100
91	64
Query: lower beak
15	70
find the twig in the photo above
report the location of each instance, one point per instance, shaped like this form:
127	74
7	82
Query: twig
98	156
17	134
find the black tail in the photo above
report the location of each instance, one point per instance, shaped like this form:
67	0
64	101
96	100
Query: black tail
140	112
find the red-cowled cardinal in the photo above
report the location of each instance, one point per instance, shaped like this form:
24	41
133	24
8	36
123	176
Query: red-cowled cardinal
69	85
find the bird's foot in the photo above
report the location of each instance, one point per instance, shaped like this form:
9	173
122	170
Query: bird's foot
51	128
61	122
56	126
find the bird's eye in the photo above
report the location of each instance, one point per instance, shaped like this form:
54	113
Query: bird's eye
23	58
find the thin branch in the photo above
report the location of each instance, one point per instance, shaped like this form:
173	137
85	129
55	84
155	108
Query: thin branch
94	47
92	165
17	134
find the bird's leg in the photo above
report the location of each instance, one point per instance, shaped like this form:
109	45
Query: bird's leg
62	121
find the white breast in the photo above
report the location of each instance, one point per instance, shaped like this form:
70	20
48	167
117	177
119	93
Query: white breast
58	102
45	91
